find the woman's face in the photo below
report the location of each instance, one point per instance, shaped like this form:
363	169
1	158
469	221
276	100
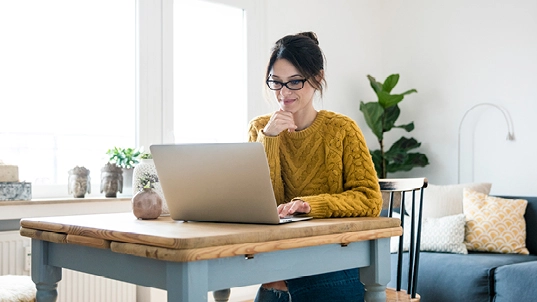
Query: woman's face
291	100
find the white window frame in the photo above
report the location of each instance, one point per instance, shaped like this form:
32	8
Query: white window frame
154	66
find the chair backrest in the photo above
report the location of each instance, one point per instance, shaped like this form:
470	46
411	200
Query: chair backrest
407	186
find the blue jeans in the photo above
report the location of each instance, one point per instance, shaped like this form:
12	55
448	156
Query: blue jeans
341	286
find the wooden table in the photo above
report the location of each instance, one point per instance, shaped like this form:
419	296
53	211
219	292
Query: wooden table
188	259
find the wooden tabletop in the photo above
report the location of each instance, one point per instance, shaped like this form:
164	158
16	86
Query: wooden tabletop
166	239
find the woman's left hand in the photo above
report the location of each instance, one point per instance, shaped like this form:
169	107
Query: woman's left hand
292	207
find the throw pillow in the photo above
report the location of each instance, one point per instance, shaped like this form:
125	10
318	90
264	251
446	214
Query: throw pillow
445	234
444	200
494	224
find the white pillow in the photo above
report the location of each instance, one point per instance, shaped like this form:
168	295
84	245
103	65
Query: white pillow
445	234
444	200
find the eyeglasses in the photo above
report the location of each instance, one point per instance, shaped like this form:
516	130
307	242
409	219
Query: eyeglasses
291	85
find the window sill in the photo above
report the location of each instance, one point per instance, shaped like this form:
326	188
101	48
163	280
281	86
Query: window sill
62	207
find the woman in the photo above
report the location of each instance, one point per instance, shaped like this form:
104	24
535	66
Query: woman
319	163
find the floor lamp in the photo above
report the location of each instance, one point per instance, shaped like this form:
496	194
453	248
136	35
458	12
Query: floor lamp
510	132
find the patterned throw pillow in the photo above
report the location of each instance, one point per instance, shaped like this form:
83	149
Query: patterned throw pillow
445	235
494	224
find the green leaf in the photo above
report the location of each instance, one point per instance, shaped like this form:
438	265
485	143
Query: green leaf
377	87
407	127
404	145
411	161
377	160
373	117
409	92
391	114
390	82
388	100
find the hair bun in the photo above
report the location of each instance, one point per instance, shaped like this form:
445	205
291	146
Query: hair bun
310	35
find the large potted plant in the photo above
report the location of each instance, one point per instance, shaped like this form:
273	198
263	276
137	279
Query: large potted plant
381	116
125	158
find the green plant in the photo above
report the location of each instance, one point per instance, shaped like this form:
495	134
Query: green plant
147	181
380	116
124	158
146	155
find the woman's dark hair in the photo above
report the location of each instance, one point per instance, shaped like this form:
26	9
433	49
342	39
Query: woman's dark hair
303	51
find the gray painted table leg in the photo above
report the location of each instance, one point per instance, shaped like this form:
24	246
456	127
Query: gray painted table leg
187	281
45	277
221	295
377	275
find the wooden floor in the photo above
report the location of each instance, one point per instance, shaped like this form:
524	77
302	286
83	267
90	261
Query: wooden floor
399	296
391	296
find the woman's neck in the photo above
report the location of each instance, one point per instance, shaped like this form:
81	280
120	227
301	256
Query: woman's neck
304	119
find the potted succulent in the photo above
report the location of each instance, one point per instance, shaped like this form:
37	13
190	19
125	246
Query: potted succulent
147	204
125	158
142	169
381	116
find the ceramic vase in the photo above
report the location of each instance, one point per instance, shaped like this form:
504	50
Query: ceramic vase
148	166
146	204
127	178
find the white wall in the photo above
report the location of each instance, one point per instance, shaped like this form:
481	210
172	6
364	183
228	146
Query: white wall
456	54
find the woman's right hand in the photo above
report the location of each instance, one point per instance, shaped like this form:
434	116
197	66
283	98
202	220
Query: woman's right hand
280	121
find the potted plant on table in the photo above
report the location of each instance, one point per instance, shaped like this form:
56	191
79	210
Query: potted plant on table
381	116
147	204
141	171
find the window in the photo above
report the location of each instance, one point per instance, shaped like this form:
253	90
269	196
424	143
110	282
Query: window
80	77
209	72
67	87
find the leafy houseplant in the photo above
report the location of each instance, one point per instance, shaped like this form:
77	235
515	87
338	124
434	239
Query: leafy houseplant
125	158
380	116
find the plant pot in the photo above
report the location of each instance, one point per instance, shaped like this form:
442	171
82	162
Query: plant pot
127	178
146	204
148	166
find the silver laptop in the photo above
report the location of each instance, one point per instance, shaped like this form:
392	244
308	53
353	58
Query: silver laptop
221	182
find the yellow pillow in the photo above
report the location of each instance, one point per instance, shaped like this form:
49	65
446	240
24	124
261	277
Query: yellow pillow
494	224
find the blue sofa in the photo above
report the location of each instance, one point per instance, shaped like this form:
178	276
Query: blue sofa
480	277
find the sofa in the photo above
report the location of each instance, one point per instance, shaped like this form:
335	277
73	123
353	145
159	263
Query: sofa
478	276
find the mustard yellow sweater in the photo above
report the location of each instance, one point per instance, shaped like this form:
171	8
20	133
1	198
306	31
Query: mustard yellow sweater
327	165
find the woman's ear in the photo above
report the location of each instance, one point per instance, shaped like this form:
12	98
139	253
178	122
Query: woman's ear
320	76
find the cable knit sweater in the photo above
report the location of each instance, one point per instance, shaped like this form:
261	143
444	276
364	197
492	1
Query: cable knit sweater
327	165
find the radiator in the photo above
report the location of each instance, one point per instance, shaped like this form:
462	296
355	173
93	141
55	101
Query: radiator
74	286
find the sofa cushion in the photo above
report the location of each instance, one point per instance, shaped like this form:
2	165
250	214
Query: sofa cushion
444	200
494	224
531	221
515	282
447	277
444	234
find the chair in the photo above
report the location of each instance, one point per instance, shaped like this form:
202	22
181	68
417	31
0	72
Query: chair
406	186
17	288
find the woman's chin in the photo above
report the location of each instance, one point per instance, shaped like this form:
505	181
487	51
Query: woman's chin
288	107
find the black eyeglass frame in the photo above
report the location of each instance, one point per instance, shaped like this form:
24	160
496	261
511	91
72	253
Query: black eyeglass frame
285	84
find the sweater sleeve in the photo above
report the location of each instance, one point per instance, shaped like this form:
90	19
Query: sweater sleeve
359	192
272	151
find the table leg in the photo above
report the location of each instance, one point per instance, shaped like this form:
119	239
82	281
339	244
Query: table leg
187	281
221	295
377	275
45	277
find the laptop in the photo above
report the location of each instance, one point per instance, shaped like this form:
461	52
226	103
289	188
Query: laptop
217	182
